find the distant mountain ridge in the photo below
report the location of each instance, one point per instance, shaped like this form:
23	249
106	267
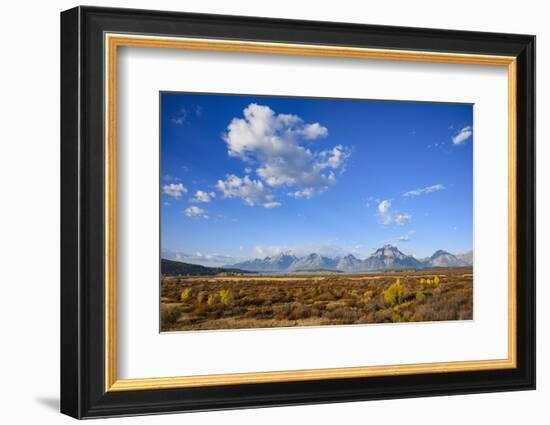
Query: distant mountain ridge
313	262
388	257
175	268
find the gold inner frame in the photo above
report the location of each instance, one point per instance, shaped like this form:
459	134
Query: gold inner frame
113	41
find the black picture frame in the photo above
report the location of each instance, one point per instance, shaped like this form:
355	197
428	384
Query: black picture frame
83	392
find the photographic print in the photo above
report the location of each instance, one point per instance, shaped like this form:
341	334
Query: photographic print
296	211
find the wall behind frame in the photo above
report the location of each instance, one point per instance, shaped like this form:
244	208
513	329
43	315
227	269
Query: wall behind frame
29	219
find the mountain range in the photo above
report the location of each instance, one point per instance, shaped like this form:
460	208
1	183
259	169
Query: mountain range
386	258
174	268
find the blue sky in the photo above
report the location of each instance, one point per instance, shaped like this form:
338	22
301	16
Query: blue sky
250	176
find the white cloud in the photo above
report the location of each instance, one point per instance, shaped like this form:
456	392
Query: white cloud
169	177
252	192
273	142
272	205
335	157
387	216
423	190
175	190
402	219
314	131
200	257
463	135
403	239
384	206
202	196
326	248
384	211
196	212
306	193
269	250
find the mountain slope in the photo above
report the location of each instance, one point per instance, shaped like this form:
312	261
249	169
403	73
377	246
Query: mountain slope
169	267
279	263
314	262
466	258
442	258
349	263
389	257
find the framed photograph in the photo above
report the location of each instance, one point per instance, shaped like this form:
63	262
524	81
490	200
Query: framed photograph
261	212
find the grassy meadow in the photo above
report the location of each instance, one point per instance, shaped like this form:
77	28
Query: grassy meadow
228	301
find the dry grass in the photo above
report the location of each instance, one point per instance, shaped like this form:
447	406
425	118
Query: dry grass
237	302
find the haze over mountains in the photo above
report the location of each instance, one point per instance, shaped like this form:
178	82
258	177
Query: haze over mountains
385	258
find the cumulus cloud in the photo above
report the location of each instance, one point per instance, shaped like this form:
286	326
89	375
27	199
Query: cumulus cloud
404	239
402	219
384	206
384	211
252	192
387	216
463	135
196	212
306	193
314	131
202	196
176	190
275	143
423	190
334	158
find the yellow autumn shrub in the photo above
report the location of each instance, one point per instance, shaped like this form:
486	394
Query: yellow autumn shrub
394	294
226	296
185	294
